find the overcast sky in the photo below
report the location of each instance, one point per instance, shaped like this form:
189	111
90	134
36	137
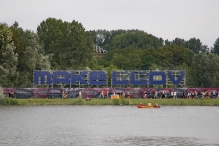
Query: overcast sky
167	19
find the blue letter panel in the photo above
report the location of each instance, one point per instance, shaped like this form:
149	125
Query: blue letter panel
42	75
116	82
176	82
98	78
155	82
78	78
139	82
57	80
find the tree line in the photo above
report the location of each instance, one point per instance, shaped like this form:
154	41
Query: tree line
61	45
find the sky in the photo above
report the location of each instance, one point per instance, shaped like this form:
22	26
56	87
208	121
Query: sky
165	19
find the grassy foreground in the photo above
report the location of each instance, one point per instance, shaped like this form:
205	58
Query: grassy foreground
76	101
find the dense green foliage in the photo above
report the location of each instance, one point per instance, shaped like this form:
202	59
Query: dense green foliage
125	38
216	47
61	45
8	57
8	101
69	44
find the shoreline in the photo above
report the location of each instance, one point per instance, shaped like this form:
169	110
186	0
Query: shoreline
96	101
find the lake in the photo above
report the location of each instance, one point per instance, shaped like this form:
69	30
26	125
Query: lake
108	126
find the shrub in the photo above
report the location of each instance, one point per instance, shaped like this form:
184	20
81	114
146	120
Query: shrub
116	102
79	101
8	101
123	101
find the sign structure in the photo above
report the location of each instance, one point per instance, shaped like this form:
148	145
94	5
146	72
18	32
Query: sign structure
99	78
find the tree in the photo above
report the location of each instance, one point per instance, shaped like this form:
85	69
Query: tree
120	60
216	46
103	38
120	39
172	56
31	55
8	58
205	70
69	44
194	45
179	42
135	39
148	61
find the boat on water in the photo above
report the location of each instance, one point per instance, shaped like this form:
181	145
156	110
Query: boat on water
148	105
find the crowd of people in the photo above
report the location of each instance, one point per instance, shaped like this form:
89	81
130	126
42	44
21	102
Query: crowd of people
185	94
182	94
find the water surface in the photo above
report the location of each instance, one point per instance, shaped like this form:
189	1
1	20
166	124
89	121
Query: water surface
108	125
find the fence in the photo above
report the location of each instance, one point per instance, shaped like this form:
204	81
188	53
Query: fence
95	92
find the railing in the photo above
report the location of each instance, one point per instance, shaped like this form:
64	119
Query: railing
95	92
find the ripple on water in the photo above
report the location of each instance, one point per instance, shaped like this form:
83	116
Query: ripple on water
157	141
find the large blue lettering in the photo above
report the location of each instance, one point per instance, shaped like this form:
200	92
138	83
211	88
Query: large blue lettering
98	78
118	82
61	77
177	81
42	75
161	78
78	78
138	82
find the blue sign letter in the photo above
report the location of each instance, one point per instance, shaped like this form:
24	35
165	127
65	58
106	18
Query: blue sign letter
78	78
159	80
98	78
63	79
138	82
176	82
42	75
118	82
